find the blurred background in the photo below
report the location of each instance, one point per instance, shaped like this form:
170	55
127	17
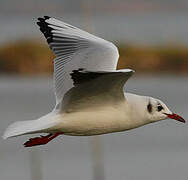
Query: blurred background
152	37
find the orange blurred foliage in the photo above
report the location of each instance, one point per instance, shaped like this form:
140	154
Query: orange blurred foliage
32	57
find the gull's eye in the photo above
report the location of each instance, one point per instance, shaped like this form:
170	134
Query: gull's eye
159	108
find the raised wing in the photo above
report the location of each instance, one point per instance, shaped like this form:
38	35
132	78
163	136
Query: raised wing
74	49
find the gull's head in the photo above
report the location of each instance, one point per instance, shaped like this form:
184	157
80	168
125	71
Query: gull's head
150	109
156	110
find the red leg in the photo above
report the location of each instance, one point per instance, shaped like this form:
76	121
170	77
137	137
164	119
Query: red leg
41	140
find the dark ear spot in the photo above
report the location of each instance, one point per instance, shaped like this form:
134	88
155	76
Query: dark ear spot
149	107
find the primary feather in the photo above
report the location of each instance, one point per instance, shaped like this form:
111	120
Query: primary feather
74	49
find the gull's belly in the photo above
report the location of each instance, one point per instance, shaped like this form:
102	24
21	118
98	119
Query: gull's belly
95	122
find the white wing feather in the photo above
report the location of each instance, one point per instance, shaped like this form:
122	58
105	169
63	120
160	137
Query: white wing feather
74	49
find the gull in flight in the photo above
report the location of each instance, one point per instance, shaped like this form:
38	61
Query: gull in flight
90	97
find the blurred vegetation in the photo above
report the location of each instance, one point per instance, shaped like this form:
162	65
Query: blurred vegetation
26	57
32	57
161	59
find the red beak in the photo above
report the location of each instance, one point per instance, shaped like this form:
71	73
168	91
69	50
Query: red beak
176	117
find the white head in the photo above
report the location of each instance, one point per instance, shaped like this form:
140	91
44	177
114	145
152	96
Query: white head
149	109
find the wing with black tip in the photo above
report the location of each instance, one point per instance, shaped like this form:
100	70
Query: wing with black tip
95	89
75	49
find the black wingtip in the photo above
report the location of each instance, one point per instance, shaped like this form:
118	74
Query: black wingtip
44	18
44	28
40	19
81	76
47	17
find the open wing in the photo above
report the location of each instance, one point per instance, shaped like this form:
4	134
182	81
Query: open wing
96	89
75	49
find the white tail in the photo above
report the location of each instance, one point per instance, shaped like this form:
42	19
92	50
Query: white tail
30	126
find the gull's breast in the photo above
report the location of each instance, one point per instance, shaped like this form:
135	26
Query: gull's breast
96	121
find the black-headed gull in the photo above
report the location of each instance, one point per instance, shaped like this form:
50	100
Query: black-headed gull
90	99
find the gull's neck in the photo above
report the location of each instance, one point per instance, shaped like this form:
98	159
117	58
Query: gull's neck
137	110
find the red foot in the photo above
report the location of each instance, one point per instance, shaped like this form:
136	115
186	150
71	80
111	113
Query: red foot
41	140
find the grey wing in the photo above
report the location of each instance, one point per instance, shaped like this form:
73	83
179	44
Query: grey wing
74	49
96	89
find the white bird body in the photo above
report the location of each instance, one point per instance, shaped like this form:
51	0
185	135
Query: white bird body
99	120
93	119
90	98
